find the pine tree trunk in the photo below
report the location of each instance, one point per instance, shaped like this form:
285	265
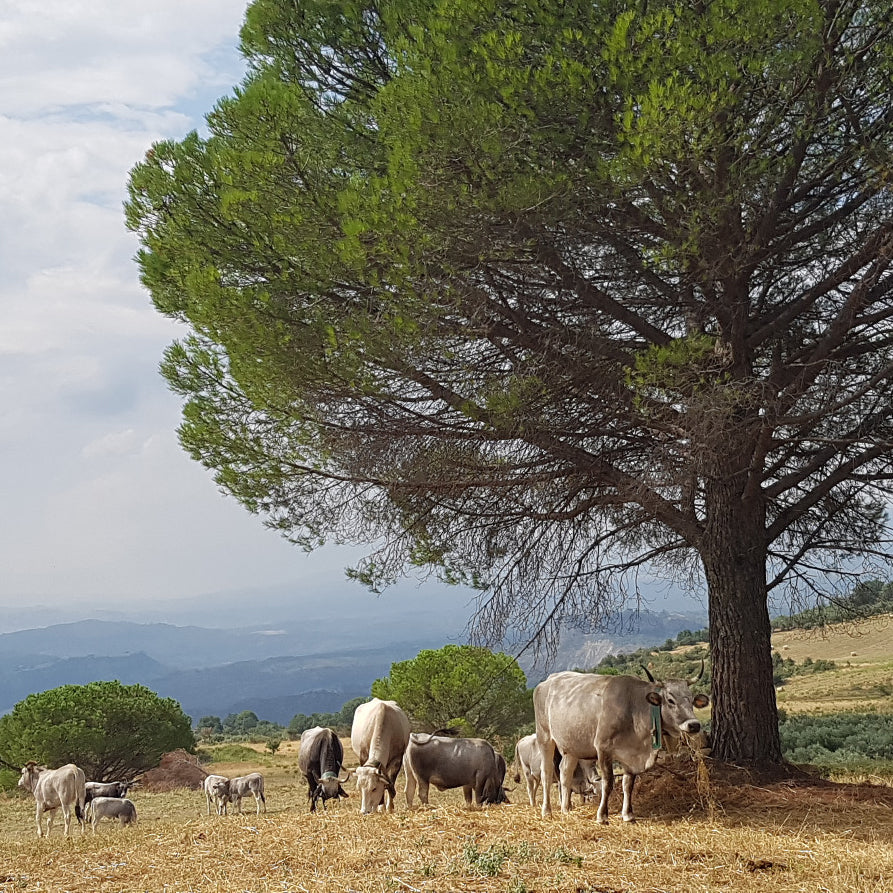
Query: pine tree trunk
745	714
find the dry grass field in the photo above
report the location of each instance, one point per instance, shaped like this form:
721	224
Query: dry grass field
864	679
737	834
698	832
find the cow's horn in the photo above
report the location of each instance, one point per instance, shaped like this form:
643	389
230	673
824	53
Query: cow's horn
700	674
648	673
346	777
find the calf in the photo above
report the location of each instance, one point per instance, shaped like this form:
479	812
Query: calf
118	808
216	788
320	759
53	789
529	763
243	786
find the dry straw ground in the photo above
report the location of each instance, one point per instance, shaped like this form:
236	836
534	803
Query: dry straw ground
735	833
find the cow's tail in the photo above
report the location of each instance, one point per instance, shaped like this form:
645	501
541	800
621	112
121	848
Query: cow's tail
516	767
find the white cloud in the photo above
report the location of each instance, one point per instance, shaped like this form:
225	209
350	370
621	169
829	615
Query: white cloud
99	501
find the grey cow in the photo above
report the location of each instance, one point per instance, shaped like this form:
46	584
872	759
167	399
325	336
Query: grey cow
529	763
245	785
608	718
107	789
119	808
467	763
320	759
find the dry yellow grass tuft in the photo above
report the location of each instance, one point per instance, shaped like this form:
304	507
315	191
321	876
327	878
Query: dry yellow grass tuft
724	833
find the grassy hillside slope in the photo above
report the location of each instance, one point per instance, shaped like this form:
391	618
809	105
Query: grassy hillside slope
863	680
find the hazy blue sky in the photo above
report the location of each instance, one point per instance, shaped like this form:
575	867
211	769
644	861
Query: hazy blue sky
98	500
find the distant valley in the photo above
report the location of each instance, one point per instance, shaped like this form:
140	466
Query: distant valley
277	669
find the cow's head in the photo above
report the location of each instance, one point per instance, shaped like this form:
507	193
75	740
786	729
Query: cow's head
677	704
373	784
329	788
30	773
219	788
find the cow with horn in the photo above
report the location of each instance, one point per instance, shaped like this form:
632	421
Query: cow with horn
320	759
607	719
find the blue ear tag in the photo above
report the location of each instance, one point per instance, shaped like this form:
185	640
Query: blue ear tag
656	741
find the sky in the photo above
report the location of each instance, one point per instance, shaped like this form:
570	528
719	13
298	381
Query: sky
100	505
99	502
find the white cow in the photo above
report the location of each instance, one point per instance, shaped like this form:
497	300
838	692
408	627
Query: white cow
216	788
378	736
243	786
119	808
53	789
609	718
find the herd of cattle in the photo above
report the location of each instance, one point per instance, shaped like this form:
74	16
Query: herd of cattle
584	724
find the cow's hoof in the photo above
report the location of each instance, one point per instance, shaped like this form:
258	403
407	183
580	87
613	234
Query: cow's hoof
601	820
629	818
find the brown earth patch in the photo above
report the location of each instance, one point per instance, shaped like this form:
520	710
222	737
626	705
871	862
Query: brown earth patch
177	769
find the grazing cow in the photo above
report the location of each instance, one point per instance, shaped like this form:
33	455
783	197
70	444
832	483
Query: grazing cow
608	718
54	789
320	759
244	785
216	788
107	789
379	735
467	763
119	808
528	762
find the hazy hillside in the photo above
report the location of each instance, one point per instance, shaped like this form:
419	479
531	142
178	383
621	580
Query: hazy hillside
296	666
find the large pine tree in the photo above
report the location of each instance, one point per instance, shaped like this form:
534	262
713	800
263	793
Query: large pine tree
543	294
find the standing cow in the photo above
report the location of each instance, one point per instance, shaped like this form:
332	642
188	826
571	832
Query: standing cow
529	763
107	789
242	786
320	759
467	763
216	788
379	736
63	788
608	718
119	808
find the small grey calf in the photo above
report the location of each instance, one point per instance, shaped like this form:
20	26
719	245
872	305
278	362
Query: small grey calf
118	808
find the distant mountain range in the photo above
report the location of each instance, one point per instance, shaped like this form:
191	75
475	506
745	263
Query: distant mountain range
313	664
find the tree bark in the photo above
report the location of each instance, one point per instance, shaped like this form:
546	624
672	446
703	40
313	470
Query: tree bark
745	713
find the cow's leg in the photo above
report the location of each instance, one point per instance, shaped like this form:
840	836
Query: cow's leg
39	819
237	802
208	797
410	785
629	782
471	796
548	771
606	770
566	780
424	787
532	785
